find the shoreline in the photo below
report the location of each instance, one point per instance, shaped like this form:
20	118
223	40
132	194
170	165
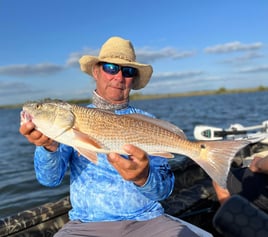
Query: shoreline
140	96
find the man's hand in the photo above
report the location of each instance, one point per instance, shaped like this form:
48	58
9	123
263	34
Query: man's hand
222	194
259	164
37	138
136	168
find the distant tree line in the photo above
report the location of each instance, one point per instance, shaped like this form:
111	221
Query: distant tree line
140	96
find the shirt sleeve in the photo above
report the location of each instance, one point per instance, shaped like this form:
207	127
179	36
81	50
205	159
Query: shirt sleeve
160	182
50	167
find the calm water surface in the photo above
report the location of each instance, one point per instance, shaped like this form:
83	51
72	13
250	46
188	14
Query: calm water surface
19	189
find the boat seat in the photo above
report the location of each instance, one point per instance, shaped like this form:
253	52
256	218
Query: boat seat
237	217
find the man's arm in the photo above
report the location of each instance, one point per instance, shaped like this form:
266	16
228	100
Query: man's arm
152	176
50	158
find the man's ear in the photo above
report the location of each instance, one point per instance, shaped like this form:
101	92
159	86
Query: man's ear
95	71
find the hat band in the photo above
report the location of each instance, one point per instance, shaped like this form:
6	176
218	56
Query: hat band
120	56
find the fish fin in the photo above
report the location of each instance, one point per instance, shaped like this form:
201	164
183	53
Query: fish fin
162	154
90	155
161	123
216	158
82	137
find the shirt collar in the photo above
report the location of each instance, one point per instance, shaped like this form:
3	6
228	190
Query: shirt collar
101	103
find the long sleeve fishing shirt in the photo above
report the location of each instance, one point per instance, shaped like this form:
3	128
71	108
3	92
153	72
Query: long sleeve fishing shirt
97	191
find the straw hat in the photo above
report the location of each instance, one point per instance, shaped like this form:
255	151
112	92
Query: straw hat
118	51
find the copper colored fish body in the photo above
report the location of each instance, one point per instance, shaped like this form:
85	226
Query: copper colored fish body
92	131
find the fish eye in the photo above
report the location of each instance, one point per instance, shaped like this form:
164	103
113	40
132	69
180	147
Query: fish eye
38	106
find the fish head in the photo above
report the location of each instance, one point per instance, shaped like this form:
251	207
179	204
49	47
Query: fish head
52	118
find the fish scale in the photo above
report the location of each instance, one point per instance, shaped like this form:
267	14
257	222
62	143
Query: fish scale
91	131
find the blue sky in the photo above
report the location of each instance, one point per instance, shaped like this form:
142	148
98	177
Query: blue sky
192	44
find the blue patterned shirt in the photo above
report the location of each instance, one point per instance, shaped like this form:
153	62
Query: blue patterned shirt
97	191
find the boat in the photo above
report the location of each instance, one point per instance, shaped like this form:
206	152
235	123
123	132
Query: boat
193	198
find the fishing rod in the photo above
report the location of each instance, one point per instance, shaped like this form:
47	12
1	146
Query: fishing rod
203	132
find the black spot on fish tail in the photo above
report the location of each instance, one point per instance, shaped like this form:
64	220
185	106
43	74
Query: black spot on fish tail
203	146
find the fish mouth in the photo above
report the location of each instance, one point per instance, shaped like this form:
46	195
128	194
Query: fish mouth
25	117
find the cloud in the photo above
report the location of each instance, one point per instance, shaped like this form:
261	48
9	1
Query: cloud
232	47
243	58
173	85
23	70
174	81
143	55
73	60
257	69
11	88
147	55
177	75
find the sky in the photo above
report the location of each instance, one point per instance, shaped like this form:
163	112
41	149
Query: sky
193	45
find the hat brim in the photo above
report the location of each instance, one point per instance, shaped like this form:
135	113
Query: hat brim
87	63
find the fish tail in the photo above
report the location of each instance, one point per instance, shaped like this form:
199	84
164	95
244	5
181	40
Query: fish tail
216	158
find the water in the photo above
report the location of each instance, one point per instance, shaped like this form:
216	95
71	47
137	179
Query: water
19	189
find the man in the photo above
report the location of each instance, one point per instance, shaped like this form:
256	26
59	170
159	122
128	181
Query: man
244	204
118	196
249	182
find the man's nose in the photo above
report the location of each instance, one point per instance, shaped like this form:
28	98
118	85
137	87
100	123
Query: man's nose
119	76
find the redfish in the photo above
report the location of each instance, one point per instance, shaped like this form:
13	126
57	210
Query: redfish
91	131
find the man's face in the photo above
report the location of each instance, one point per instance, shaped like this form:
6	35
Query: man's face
113	88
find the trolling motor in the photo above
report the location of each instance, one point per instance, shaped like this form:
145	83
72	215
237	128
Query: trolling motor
235	131
237	217
256	135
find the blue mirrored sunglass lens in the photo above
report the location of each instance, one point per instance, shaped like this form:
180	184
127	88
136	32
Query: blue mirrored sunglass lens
114	69
110	68
129	71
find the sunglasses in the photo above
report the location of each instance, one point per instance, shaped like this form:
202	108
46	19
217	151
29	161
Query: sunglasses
114	69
